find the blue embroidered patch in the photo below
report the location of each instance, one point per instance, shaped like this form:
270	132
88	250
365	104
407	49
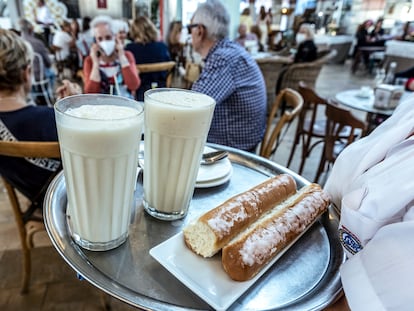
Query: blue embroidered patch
349	241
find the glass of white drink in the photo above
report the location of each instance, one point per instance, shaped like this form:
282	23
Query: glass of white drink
99	139
176	126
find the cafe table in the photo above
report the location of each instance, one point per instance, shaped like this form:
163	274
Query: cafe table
354	99
305	277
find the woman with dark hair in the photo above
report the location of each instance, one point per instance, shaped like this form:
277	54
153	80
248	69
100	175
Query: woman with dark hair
175	46
147	48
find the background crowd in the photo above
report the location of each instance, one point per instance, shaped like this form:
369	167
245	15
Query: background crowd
107	51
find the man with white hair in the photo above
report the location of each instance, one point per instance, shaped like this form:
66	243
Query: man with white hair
231	77
109	69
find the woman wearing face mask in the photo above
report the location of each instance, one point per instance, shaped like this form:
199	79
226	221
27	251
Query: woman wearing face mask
307	50
109	69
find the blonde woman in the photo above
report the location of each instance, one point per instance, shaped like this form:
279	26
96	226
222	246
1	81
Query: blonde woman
20	120
147	48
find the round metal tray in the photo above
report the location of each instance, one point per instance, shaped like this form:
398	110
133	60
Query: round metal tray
306	277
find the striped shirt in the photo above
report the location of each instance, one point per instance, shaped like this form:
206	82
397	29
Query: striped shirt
235	81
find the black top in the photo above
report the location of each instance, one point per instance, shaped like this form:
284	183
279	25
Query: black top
32	123
307	52
152	52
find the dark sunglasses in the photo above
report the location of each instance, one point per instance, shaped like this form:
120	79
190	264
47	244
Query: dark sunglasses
191	26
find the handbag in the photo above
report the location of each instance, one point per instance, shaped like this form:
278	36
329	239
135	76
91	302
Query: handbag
192	71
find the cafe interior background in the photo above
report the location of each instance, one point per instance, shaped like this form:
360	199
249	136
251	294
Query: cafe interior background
334	21
331	17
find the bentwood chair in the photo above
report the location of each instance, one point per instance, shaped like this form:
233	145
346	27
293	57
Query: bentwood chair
293	102
338	119
28	223
311	125
158	67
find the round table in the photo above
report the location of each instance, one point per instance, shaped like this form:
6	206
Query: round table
306	277
354	100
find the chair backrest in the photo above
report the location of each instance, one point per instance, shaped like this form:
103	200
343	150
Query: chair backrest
311	103
307	72
157	67
39	68
294	101
337	119
23	149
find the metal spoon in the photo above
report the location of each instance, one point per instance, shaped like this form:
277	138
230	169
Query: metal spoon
212	157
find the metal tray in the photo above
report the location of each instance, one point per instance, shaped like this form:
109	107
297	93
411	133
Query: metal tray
306	277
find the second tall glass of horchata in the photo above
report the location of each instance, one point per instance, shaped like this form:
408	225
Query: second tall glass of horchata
176	126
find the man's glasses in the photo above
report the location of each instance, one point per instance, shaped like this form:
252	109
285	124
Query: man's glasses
191	26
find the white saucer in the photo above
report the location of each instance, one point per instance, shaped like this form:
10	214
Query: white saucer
214	182
208	175
213	172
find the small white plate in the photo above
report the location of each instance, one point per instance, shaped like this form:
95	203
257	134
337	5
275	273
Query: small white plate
364	95
204	276
214	182
213	172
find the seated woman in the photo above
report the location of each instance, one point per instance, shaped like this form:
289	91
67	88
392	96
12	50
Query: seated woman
22	121
371	183
147	49
307	50
109	69
175	44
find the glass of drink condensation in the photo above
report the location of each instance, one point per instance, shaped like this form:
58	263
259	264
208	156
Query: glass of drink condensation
99	139
177	122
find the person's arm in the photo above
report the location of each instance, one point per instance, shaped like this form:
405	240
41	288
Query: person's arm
68	89
91	76
381	276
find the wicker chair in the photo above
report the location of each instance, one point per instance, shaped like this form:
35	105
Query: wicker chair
157	67
271	67
28	223
271	139
306	72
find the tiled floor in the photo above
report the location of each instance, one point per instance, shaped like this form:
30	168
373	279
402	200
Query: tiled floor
54	285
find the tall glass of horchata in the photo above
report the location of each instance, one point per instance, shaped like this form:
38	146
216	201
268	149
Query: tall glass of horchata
177	122
99	139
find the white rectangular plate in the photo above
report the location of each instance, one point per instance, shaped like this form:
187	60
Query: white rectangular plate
205	276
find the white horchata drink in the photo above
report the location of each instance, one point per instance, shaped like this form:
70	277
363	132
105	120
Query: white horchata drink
99	140
176	127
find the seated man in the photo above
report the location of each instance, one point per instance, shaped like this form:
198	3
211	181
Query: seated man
231	77
245	39
371	182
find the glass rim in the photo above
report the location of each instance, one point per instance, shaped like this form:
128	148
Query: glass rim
148	94
136	105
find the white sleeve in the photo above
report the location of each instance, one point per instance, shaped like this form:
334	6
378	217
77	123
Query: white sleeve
381	276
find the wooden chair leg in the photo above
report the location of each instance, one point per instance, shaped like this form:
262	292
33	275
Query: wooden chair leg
26	260
27	269
292	151
321	166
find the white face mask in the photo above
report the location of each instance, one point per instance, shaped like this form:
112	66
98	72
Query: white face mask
300	37
108	46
